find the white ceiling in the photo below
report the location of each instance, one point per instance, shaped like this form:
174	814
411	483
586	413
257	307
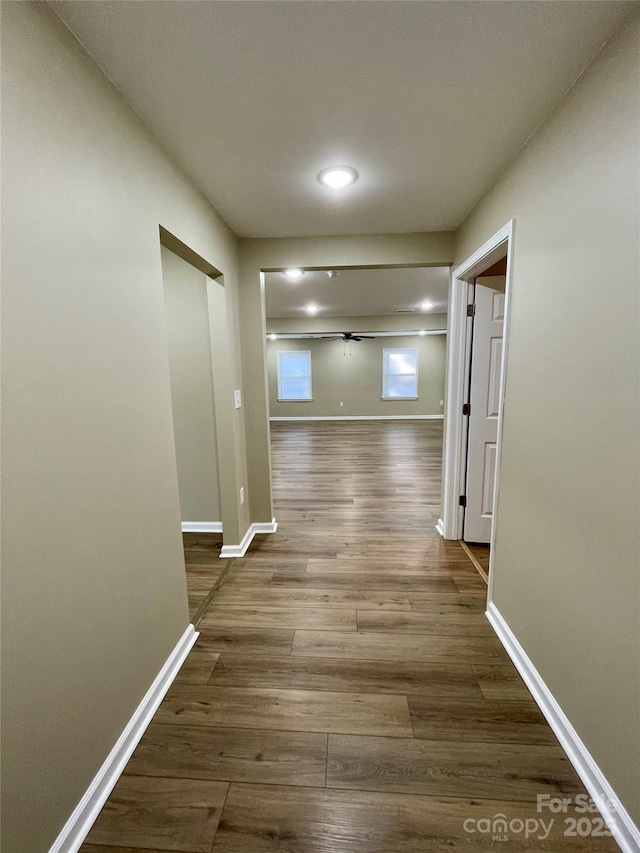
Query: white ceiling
357	292
427	100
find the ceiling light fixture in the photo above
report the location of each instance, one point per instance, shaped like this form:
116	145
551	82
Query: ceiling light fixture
426	306
311	309
273	337
294	273
338	177
422	333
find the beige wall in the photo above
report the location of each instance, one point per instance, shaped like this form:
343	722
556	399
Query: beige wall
372	323
93	587
352	373
567	557
189	340
435	249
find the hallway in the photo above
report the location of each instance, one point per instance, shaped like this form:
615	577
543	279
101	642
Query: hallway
346	694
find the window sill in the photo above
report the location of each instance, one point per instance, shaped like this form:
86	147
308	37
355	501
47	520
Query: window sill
295	399
391	399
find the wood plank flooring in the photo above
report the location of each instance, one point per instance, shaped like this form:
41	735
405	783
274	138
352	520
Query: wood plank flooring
203	566
347	694
480	554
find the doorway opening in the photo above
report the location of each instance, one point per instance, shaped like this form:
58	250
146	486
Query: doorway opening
356	374
195	321
478	327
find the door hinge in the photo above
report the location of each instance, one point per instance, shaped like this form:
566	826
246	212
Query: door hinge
471	310
466	408
463	500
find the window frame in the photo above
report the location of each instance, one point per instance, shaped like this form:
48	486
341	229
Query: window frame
279	354
385	372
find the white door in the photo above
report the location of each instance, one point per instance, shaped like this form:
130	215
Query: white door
484	398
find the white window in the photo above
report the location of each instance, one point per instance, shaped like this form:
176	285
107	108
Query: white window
294	375
400	374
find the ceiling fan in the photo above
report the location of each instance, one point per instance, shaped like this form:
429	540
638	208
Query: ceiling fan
349	336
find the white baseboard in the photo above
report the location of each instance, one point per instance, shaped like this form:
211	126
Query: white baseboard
625	832
240	550
362	418
440	527
202	527
84	815
265	526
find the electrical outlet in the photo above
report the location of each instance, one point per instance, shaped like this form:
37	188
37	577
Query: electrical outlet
341	403
237	396
241	495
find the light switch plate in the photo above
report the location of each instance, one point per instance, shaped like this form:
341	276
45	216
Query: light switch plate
238	399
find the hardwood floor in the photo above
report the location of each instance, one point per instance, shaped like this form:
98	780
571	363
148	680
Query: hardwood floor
346	694
203	566
479	555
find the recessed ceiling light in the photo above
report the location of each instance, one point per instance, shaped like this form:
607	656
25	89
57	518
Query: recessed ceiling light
311	309
426	306
294	273
273	337
337	177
